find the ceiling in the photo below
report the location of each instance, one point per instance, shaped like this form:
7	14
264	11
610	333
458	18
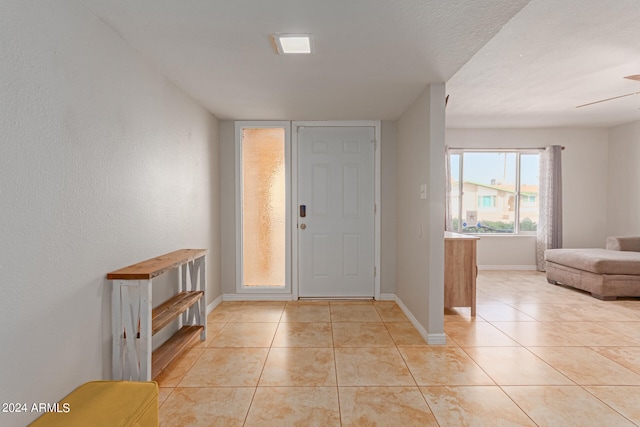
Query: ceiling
507	63
551	57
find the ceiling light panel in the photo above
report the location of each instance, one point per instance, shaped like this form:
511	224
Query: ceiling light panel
293	44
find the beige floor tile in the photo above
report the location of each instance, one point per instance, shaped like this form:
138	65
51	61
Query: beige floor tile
485	298
248	334
178	368
226	367
586	366
225	406
351	302
299	367
221	316
450	342
361	335
258	313
477	334
390	312
306	313
501	313
371	367
515	366
536	333
304	334
354	313
629	357
585	351
294	406
213	329
308	302
224	311
624	399
591	310
460	314
404	334
551	312
163	394
628	329
593	334
566	406
266	303
604	311
384	406
513	296
443	366
474	406
384	302
629	309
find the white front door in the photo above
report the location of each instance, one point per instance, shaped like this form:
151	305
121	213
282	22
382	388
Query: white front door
336	230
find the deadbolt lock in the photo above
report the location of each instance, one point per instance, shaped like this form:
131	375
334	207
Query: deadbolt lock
303	226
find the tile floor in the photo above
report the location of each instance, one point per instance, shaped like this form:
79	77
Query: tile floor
535	354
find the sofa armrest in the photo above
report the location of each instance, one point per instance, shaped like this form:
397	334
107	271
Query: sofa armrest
631	243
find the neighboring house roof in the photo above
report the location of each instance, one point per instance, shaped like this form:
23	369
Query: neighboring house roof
526	190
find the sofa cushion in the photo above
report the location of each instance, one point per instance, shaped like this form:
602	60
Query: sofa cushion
630	243
600	261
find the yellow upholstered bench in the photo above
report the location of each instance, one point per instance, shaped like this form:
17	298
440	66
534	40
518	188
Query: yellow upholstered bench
106	403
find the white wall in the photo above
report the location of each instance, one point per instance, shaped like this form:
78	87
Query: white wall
623	191
584	184
420	222
103	163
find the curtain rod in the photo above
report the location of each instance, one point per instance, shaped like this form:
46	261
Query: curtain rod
500	149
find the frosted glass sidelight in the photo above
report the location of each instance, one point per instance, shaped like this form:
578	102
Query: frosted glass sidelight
263	207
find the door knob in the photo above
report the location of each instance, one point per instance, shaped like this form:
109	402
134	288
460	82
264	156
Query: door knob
303	226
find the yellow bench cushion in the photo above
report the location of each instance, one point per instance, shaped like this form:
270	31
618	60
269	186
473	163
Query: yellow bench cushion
108	404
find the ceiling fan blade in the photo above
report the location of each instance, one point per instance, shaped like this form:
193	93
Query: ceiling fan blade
608	99
634	77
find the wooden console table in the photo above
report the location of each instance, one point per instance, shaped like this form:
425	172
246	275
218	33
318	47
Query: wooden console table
460	270
133	316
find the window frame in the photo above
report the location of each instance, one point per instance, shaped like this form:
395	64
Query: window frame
518	152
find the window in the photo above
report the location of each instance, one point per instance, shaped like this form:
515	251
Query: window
262	195
486	201
494	191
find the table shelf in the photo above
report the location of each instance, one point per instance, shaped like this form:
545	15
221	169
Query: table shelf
133	316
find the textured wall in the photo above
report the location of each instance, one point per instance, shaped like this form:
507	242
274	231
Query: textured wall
420	222
412	241
103	163
623	190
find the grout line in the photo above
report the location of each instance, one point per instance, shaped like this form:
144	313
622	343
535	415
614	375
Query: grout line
335	366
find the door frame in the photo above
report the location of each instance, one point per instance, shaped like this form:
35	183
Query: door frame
295	125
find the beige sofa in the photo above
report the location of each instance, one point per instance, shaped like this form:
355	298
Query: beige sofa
606	273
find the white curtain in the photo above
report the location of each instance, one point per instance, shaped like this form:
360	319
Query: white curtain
550	220
448	221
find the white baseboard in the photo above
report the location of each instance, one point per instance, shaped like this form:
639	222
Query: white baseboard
432	339
257	297
436	339
387	297
507	267
216	302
